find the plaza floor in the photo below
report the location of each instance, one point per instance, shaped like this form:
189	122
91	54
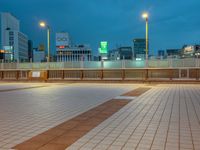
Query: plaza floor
28	109
164	117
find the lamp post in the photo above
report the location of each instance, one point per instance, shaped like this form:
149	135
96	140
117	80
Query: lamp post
146	17
44	25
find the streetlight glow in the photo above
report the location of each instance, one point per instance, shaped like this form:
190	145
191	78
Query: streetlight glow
42	24
145	15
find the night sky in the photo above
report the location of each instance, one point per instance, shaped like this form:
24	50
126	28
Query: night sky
173	23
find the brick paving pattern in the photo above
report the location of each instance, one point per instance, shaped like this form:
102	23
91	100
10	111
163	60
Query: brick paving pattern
29	112
67	133
166	117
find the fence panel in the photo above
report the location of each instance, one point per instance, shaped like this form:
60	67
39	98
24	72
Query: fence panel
135	74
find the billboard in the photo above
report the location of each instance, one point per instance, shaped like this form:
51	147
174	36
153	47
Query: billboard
189	49
62	39
103	47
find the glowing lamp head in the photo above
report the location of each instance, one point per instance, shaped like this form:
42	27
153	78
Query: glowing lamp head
42	24
145	15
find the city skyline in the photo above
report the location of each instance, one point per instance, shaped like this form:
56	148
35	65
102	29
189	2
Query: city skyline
114	21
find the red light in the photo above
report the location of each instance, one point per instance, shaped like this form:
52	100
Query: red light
61	47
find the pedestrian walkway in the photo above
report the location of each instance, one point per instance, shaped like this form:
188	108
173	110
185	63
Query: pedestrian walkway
28	109
165	118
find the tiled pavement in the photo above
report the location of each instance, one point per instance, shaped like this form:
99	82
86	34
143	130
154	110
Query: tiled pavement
27	113
167	117
164	118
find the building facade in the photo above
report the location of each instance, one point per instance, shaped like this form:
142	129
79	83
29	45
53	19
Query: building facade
161	54
139	48
75	53
38	55
125	52
66	52
190	51
14	42
173	53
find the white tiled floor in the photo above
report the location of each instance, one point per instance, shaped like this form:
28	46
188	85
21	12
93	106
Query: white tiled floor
26	113
166	117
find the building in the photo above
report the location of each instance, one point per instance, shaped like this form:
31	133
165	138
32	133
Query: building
38	55
66	52
173	53
2	54
62	41
30	50
189	51
75	53
161	54
114	54
139	48
121	53
11	39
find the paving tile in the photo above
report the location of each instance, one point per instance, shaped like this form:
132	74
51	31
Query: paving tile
163	117
30	111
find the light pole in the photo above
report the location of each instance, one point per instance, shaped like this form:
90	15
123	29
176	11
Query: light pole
43	24
146	17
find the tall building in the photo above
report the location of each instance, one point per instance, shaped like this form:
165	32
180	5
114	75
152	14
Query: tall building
11	39
66	52
30	50
139	48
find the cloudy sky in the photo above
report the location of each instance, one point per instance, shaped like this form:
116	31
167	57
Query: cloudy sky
172	22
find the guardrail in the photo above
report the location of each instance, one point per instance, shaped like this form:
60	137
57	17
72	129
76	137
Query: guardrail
119	64
142	74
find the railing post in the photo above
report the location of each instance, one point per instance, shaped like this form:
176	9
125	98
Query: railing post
81	75
123	74
17	75
102	74
197	74
147	74
170	74
63	74
47	74
2	76
188	73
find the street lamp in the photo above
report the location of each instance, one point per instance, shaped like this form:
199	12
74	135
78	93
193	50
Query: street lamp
146	16
44	25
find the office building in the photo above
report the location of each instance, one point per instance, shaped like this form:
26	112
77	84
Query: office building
125	52
67	52
14	42
38	55
173	53
75	53
139	48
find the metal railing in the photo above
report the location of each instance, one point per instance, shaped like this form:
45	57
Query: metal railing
128	64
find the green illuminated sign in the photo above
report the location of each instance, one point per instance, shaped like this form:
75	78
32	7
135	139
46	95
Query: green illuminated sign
103	47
